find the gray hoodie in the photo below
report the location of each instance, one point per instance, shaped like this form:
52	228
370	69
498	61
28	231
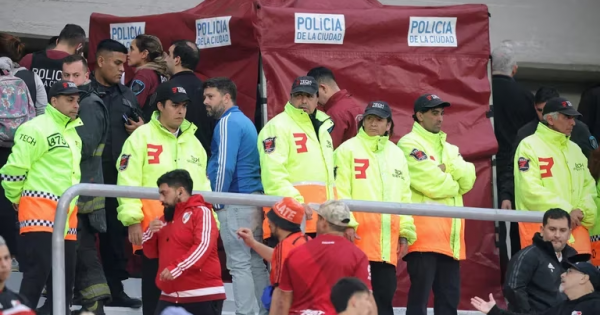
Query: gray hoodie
41	96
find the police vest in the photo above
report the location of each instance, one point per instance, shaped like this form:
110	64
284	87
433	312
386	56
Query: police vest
49	70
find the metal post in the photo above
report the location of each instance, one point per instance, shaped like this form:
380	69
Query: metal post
58	244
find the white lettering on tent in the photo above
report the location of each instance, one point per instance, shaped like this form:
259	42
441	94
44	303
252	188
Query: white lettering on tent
213	32
313	28
432	32
124	33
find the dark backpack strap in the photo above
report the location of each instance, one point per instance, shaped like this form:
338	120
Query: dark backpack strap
29	78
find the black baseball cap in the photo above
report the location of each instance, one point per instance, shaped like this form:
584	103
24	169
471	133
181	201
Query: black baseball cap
305	84
428	101
580	262
171	91
63	87
561	105
378	108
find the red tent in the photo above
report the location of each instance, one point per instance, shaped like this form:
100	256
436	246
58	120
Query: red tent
384	53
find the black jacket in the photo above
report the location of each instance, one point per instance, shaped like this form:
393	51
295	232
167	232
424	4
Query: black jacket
196	111
10	300
513	108
533	277
587	304
589	107
581	136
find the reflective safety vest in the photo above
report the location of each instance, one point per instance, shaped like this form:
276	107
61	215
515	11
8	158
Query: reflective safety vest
45	161
295	161
150	152
425	152
551	172
374	169
595	233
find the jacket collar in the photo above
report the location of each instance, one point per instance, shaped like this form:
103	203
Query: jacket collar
95	83
430	137
375	143
232	109
193	201
61	118
547	247
185	126
301	116
336	97
550	135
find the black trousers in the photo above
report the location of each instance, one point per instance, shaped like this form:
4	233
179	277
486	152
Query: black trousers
204	308
150	292
112	243
435	271
384	282
35	261
9	227
90	282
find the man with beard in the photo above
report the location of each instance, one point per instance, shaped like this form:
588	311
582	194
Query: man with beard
185	242
165	143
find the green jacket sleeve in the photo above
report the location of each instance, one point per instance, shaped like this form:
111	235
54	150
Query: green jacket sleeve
462	171
130	167
588	203
432	181
408	229
274	152
531	193
343	177
29	146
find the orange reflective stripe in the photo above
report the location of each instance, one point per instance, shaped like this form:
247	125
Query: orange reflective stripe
37	210
152	209
581	235
595	240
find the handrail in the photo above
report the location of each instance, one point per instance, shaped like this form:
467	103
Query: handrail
95	190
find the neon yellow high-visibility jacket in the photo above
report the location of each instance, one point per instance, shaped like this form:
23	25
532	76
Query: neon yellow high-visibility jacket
43	164
551	172
425	152
374	169
294	161
149	152
595	232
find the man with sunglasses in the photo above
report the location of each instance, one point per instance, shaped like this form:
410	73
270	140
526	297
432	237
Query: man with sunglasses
296	152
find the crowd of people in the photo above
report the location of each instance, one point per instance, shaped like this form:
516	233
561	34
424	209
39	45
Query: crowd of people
165	128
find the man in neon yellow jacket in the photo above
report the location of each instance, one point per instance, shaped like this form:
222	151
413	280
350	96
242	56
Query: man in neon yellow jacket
296	152
595	233
370	167
43	164
164	144
439	175
551	172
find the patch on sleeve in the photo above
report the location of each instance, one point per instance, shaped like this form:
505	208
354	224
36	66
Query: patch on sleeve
523	164
124	162
593	142
418	155
137	87
269	144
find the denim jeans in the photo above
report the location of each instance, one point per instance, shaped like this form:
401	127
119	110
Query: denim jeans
248	270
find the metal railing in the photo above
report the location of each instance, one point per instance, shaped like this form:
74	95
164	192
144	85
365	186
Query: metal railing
58	246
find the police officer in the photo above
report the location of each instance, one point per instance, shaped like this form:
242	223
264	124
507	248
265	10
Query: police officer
165	143
124	112
48	63
43	164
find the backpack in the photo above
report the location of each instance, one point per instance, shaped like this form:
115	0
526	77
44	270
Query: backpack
16	106
29	78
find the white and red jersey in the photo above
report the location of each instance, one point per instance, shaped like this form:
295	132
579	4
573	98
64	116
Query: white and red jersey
187	246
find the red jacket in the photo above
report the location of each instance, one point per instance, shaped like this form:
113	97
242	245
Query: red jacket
345	113
187	246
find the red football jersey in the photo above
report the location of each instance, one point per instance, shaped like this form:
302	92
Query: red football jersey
312	269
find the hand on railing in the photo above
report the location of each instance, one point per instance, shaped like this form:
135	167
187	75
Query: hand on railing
506	205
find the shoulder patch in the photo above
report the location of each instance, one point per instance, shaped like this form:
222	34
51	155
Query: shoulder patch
137	87
523	164
124	162
593	142
269	144
418	155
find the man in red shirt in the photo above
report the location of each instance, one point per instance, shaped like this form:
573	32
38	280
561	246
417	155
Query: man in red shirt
285	219
48	63
338	104
311	270
184	240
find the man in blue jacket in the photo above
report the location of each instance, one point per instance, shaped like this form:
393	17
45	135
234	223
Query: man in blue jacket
234	167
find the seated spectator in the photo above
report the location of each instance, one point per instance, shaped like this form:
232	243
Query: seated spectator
284	219
533	274
312	269
580	282
350	296
10	302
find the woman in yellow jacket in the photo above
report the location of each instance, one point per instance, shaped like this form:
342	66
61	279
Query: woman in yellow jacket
370	167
